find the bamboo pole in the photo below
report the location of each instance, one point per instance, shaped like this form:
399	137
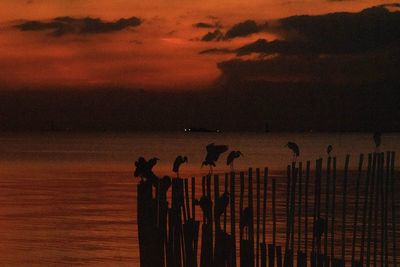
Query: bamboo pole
353	246
306	210
345	177
187	198
377	190
193	199
328	177
386	238
299	208
233	224
265	204
263	244
251	226
393	184
274	211
371	207
287	207
365	208
333	210
257	217
226	186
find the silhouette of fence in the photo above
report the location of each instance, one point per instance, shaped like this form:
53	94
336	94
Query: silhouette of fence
234	231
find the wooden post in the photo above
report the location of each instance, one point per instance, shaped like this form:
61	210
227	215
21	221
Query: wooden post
187	198
299	209
333	210
257	217
345	176
393	184
272	249
327	192
232	216
251	226
263	245
287	208
386	238
353	246
376	207
365	208
306	212
226	184
371	207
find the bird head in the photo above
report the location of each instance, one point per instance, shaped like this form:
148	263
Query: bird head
185	159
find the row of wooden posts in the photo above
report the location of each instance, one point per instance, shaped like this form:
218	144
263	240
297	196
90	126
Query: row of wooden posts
169	235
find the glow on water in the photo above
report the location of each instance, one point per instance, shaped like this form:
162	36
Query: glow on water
71	198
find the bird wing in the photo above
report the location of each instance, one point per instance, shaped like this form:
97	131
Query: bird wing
230	157
221	148
177	162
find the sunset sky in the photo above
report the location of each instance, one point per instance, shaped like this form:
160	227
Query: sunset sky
84	43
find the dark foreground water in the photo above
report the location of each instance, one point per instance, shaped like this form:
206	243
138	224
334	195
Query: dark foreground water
70	199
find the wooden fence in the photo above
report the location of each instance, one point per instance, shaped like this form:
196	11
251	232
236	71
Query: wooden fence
321	228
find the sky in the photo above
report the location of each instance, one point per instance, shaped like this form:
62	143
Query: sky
191	44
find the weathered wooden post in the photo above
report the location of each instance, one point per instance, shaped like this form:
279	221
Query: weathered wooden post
233	218
365	209
371	207
393	184
355	221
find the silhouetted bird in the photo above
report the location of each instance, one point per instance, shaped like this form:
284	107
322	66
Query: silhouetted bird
206	206
319	228
141	166
245	218
295	149
144	169
177	163
231	157
377	139
221	203
329	150
213	153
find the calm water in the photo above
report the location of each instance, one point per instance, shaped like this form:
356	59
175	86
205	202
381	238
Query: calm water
69	199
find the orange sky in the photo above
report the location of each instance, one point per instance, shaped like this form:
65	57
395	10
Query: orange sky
163	52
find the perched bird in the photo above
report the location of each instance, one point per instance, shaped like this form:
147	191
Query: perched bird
295	149
144	168
231	157
213	153
177	163
377	139
245	218
140	164
329	150
221	203
319	228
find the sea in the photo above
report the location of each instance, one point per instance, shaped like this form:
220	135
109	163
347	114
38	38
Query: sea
69	199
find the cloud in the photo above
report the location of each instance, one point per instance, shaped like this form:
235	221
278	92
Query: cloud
68	25
337	47
241	29
369	29
203	25
245	28
216	35
216	51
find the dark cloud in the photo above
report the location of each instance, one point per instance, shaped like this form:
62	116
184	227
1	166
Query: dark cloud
337	47
241	29
245	28
68	25
203	25
216	35
369	29
216	51
277	46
